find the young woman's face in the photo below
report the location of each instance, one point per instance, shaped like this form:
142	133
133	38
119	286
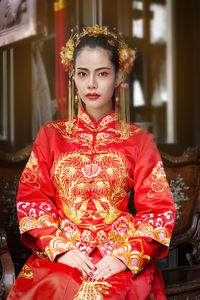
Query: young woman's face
96	80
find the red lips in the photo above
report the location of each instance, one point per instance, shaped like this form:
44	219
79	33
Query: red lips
92	96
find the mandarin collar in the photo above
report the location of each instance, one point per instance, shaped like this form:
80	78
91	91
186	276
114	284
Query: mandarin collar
90	123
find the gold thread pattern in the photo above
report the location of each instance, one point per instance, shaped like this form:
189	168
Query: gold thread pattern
26	272
91	188
92	290
32	172
28	223
157	181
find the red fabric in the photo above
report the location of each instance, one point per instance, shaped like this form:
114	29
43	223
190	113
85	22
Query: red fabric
41	279
74	193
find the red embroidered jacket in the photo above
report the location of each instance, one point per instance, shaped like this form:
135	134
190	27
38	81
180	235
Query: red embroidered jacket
73	192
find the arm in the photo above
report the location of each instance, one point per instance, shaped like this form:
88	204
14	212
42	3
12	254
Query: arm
153	224
37	212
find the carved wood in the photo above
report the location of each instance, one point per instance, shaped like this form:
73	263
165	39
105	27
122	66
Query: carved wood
8	276
183	174
11	167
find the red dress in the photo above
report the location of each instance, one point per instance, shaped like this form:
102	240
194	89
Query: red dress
73	193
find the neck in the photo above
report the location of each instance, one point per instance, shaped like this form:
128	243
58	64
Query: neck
98	114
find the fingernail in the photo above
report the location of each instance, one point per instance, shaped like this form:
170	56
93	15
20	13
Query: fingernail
102	278
93	279
90	278
95	268
91	274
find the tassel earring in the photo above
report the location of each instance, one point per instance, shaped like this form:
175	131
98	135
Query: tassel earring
122	107
117	96
117	112
77	102
70	104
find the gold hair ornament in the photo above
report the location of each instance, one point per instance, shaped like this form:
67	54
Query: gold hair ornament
126	54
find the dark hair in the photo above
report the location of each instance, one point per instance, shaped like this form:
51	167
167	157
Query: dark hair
105	42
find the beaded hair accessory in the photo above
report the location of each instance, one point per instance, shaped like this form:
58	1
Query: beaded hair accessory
126	59
126	55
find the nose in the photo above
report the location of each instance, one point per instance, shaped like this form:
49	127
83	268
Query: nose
92	83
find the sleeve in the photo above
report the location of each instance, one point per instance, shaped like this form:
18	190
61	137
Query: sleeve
36	209
152	227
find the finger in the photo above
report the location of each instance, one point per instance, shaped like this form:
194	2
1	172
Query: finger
104	274
101	266
82	265
88	261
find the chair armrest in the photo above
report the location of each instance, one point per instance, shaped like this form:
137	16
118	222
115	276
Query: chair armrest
8	272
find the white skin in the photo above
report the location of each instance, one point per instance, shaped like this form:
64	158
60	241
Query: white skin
95	73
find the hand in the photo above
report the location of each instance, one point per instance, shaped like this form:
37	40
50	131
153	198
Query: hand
76	259
108	266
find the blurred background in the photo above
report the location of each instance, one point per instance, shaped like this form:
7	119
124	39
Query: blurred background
164	84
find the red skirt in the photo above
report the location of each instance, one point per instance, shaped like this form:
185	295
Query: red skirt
41	279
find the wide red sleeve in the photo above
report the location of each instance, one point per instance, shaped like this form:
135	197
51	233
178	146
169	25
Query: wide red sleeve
154	221
36	208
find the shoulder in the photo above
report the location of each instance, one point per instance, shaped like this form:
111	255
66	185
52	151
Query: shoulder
59	127
139	131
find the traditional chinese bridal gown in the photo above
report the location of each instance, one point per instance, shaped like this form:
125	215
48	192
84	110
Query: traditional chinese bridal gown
73	193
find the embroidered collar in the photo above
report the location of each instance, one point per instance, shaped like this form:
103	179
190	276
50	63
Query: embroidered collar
92	125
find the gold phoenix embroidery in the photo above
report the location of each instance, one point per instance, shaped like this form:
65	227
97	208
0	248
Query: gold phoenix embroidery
91	186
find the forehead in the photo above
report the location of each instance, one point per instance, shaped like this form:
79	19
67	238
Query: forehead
88	57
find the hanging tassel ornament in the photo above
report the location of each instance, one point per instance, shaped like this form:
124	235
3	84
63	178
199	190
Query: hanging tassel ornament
117	96
76	96
124	107
117	113
70	104
77	103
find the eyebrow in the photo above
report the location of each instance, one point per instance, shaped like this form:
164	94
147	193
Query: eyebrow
98	69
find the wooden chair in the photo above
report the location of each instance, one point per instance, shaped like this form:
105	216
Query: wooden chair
11	166
7	267
182	278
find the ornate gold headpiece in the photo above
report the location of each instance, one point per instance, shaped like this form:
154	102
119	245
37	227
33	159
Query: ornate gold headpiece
126	55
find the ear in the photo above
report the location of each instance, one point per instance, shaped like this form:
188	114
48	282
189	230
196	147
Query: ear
118	78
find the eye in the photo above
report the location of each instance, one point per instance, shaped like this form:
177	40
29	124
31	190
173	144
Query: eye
103	74
82	74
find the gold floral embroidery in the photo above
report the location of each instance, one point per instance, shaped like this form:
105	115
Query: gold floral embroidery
91	187
92	290
26	272
57	245
70	230
157	181
104	136
122	229
134	259
61	126
32	172
28	223
160	234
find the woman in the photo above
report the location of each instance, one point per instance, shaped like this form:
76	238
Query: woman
73	194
